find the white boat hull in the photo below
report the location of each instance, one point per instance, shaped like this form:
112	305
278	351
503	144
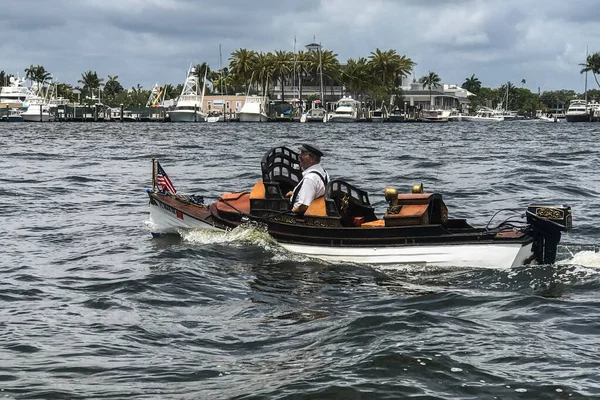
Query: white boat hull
171	221
496	256
45	117
186	116
472	118
342	118
251	117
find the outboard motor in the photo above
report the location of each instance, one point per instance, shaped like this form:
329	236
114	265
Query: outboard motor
547	223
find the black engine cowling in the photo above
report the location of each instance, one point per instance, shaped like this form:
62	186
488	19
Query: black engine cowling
547	222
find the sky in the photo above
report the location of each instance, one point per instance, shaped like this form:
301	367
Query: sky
154	41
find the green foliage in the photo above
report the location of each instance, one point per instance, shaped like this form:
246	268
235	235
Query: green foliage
552	99
472	84
5	78
592	64
431	81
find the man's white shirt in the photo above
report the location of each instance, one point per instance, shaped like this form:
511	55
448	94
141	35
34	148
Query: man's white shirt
312	185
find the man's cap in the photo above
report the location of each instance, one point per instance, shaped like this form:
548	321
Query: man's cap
311	149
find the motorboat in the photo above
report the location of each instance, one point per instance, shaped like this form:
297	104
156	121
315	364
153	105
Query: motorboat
347	110
546	118
189	104
435	115
254	109
342	226
314	115
36	110
455	116
378	115
11	115
483	114
396	115
578	111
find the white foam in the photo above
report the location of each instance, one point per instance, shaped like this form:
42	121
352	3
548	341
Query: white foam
586	258
242	235
455	369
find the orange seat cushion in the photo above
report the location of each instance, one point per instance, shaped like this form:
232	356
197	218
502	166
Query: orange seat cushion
317	208
258	191
373	224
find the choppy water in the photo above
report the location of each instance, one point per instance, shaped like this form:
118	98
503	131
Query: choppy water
91	306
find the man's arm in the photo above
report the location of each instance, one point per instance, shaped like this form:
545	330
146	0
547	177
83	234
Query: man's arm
300	209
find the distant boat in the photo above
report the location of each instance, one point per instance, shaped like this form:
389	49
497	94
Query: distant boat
346	110
189	103
14	115
254	109
435	115
315	115
484	114
378	115
578	111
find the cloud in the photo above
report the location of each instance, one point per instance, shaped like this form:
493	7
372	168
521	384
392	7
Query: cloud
145	41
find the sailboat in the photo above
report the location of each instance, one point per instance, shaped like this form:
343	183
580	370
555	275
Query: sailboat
189	103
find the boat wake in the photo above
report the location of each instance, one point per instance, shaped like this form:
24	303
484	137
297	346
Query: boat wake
584	258
243	235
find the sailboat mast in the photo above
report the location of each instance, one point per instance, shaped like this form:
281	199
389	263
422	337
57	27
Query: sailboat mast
321	73
586	74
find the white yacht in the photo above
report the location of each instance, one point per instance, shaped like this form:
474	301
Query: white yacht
578	111
435	115
254	109
483	114
14	95
189	104
346	110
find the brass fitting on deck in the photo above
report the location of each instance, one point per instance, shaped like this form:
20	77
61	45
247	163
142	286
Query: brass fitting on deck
418	188
391	196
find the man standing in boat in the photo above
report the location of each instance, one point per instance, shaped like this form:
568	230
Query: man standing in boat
314	179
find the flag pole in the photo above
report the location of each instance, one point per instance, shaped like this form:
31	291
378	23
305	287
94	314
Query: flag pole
153	174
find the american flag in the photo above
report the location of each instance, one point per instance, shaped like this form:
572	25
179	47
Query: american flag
163	181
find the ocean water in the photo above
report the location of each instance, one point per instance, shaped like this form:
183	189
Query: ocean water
93	307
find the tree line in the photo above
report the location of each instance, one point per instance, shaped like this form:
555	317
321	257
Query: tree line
375	77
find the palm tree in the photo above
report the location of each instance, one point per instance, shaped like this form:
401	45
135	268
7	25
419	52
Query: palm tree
523	82
592	64
64	90
356	76
5	78
472	84
302	62
282	68
325	62
90	82
430	81
39	75
242	64
113	86
405	67
264	71
385	64
200	70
